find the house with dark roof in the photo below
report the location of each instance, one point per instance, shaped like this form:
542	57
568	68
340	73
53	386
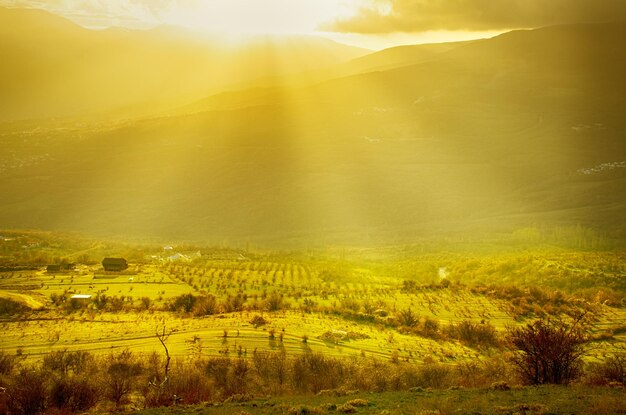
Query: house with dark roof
114	264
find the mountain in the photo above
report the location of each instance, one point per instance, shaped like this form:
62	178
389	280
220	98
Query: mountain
398	56
520	130
54	68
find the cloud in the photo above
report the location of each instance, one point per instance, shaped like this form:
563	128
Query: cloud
103	12
388	16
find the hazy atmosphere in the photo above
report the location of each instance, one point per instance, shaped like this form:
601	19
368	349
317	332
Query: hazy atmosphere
322	206
245	131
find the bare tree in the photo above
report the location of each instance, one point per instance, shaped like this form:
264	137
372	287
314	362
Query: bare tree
162	335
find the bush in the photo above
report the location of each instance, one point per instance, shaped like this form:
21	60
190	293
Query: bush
27	392
9	307
230	377
483	373
611	371
312	372
7	363
271	369
184	303
122	370
73	393
546	352
434	375
63	361
258	321
205	305
188	384
274	301
407	318
474	334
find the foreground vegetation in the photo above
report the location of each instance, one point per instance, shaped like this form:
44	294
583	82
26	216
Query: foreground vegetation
535	401
191	325
79	381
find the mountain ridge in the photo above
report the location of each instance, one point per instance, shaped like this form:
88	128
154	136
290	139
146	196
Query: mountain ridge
485	137
71	71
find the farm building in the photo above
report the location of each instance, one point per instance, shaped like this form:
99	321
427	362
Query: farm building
59	267
114	264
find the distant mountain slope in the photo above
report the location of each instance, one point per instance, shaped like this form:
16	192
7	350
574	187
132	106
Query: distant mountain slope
385	59
52	67
523	129
399	56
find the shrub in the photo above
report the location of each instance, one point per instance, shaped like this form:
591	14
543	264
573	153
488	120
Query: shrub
63	361
9	307
233	303
205	305
483	373
271	369
434	375
258	321
274	301
239	377
474	334
230	377
188	384
377	376
27	392
184	302
408	318
146	302
546	352
314	372
73	393
7	363
217	369
122	370
612	370
100	301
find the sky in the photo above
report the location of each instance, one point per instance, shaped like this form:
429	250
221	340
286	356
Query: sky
369	23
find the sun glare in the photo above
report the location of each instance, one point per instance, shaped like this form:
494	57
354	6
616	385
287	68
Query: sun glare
251	17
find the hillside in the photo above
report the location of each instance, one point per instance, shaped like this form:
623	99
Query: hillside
385	59
517	130
57	68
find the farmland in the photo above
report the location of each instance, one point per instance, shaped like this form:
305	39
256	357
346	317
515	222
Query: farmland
341	303
246	323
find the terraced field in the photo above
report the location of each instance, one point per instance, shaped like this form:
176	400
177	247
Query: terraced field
353	316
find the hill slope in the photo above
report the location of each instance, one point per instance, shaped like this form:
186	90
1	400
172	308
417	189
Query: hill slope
521	129
56	68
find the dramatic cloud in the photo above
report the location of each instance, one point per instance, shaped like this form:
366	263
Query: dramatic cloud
388	16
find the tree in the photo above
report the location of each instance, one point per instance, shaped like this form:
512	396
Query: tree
547	352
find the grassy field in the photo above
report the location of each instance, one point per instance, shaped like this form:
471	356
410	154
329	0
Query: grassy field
538	400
